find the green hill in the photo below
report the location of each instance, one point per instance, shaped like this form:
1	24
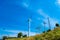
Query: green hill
51	35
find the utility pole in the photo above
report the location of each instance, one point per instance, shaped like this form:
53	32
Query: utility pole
49	24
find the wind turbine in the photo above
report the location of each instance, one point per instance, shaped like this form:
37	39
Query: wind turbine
29	25
49	24
44	25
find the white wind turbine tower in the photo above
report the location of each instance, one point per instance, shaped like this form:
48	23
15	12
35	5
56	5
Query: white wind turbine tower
44	25
29	25
49	24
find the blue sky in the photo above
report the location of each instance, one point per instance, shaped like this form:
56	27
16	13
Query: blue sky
14	15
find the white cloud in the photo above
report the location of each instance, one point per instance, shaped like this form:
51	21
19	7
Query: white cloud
40	11
52	20
12	35
15	32
12	31
57	2
24	4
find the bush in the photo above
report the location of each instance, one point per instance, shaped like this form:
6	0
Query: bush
57	25
43	31
48	30
20	35
4	37
24	35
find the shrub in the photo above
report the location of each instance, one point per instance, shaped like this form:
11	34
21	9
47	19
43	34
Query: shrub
4	37
20	35
24	35
48	30
57	25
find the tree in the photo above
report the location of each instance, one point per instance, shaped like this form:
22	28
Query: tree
4	37
25	35
20	35
57	25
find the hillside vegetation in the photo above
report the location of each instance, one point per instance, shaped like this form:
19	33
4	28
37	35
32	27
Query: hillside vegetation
51	35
